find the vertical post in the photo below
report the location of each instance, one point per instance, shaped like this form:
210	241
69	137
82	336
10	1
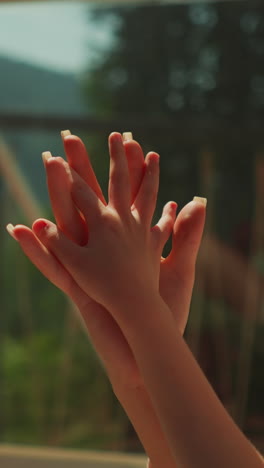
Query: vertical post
206	180
252	302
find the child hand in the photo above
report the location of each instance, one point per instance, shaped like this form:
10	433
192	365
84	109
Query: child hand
123	252
177	270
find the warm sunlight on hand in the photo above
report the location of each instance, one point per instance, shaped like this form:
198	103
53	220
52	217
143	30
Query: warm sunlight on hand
123	252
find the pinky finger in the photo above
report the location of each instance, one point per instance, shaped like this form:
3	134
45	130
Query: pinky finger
163	229
45	261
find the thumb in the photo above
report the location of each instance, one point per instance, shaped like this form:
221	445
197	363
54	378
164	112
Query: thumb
187	235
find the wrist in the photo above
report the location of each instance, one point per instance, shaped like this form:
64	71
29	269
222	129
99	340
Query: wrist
142	316
132	294
136	305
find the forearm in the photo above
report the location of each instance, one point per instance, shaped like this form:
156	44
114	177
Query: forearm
140	410
127	385
200	432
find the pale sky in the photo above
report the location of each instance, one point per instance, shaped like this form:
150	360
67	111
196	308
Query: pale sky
56	35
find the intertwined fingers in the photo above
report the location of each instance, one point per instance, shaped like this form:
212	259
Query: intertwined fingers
119	191
67	216
136	163
79	160
146	198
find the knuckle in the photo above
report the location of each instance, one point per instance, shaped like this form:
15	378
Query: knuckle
111	222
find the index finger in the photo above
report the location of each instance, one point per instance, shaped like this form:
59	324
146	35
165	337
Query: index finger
78	159
135	161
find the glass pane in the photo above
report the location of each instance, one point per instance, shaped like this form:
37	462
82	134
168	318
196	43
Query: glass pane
188	80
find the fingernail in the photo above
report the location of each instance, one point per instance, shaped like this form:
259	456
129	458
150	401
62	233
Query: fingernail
200	200
39	225
65	133
127	136
46	155
10	230
173	205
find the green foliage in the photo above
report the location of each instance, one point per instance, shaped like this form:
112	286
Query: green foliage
173	60
188	78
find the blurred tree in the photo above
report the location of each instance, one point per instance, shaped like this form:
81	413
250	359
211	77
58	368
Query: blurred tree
188	76
202	60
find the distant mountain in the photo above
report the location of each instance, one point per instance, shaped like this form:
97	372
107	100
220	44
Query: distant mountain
31	89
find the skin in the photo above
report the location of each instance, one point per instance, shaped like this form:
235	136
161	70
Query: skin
175	275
